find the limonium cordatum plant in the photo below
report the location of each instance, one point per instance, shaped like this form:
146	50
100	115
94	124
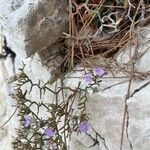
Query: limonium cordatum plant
53	131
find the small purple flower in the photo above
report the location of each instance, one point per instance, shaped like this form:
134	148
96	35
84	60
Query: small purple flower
49	132
88	78
28	120
84	127
99	71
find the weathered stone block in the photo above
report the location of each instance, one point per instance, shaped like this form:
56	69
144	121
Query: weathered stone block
31	26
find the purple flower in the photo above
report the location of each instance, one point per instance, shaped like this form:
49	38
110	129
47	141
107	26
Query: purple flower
49	132
88	78
28	120
99	71
84	127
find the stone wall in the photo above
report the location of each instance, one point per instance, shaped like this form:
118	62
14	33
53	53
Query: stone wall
31	26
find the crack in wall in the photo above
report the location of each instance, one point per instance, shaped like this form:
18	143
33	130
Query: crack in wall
127	122
127	131
96	141
140	88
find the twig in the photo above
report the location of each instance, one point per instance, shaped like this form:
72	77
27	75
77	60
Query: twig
114	85
9	118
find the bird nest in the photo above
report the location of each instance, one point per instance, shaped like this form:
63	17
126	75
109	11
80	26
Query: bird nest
102	27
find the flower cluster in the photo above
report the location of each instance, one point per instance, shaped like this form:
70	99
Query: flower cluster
28	121
96	72
84	127
49	132
88	78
